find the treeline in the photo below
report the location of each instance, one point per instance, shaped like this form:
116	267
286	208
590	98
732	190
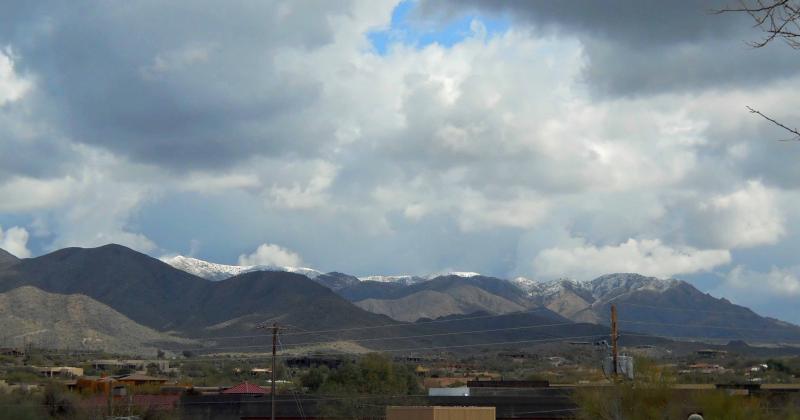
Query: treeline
363	388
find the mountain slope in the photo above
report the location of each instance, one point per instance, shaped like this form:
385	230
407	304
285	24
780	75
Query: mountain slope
655	306
30	315
243	301
7	259
367	289
441	296
142	288
433	304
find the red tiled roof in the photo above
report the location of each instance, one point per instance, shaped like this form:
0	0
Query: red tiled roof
246	388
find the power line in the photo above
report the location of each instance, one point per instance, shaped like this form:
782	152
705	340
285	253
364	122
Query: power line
488	344
393	325
301	344
358	340
697	326
673	308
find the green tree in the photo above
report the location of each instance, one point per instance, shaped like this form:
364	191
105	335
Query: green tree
363	389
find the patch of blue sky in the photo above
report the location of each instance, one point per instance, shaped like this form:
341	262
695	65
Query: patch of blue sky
407	29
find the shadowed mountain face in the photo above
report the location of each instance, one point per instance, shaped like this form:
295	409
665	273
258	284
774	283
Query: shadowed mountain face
6	259
159	296
143	288
242	302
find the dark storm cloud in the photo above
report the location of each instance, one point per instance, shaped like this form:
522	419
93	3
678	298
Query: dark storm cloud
179	85
635	47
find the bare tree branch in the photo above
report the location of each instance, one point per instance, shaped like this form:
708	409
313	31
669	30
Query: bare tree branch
777	18
794	131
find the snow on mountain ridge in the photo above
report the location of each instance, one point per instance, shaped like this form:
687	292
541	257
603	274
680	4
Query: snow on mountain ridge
603	287
408	279
599	288
402	279
217	272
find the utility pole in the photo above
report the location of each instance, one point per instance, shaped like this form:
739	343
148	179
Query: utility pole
614	336
274	329
274	347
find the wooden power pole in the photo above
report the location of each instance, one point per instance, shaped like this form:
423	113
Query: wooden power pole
614	336
274	329
272	382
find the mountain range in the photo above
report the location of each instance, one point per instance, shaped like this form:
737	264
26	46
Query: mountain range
112	297
667	307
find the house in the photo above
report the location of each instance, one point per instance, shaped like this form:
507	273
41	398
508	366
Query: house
137	379
422	371
59	371
260	371
94	384
706	368
131	364
107	384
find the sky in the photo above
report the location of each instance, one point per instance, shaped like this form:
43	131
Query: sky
536	139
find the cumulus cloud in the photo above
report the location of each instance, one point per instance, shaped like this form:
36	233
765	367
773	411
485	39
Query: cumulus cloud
648	257
633	47
777	281
283	121
12	85
269	254
747	217
313	193
26	194
15	241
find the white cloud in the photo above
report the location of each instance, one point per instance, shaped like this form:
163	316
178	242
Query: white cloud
212	182
12	86
21	194
313	193
748	217
478	212
269	254
15	241
777	282
103	195
648	257
419	157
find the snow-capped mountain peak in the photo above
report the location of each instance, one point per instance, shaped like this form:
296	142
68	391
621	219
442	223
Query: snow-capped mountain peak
465	274
599	288
401	279
407	279
216	272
